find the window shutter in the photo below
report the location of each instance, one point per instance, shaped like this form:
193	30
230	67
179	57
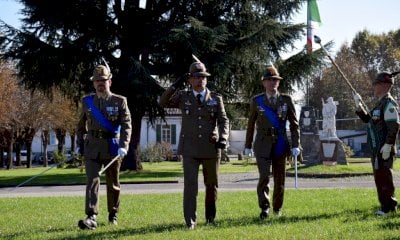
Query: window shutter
173	134
158	133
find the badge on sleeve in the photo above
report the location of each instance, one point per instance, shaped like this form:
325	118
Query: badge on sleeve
391	113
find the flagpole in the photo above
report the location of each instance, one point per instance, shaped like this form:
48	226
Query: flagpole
309	29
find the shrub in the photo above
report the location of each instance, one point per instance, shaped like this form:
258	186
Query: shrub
157	153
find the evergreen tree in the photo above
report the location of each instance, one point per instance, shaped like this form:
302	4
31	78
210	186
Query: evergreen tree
61	41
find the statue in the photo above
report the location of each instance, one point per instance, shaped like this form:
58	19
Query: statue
329	119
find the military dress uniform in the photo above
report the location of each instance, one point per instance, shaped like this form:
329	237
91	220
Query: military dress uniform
203	124
265	145
383	127
94	140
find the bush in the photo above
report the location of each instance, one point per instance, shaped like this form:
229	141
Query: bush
157	153
60	159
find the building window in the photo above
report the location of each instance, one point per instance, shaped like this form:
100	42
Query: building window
166	133
351	142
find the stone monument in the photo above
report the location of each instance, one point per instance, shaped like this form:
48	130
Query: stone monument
331	148
309	138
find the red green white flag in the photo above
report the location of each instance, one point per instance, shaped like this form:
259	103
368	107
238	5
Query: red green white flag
313	22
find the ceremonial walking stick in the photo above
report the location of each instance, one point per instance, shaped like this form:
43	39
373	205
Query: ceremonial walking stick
30	179
318	40
109	164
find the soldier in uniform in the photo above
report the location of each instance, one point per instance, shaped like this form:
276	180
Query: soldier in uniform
383	127
103	132
269	112
204	133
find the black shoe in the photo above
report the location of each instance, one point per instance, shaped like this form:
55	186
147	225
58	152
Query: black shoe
88	223
112	218
278	213
264	214
191	226
210	221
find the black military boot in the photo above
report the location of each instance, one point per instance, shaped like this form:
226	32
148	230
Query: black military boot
264	214
88	223
112	218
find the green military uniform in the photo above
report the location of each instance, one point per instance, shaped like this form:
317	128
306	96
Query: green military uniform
94	139
265	144
203	124
383	127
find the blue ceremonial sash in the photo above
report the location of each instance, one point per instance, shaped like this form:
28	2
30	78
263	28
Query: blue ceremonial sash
281	145
113	143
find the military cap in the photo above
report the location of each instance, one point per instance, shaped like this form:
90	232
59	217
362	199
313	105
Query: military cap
197	69
101	72
385	77
271	72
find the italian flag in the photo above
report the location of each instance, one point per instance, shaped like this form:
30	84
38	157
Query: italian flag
313	22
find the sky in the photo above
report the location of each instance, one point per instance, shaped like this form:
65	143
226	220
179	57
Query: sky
341	19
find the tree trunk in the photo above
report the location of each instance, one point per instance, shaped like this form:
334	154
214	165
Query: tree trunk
45	142
60	134
10	153
28	141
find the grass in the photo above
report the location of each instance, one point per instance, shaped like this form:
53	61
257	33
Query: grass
167	172
307	214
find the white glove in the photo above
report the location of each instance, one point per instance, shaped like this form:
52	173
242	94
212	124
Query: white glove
385	150
295	151
122	152
248	152
77	150
357	99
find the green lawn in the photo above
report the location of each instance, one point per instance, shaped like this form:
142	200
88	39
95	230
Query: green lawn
166	171
307	214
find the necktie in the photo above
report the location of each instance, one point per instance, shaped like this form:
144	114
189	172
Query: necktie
272	100
198	96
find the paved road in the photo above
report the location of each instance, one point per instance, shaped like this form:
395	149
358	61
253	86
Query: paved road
228	182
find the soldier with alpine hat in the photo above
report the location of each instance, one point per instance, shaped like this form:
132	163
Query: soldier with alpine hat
103	132
269	112
383	128
203	134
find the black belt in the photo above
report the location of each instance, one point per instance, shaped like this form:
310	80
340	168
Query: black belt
272	132
103	134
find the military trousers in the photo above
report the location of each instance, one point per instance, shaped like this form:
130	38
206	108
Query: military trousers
190	190
93	166
264	166
383	176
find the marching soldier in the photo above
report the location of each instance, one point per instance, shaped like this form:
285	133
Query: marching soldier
103	132
383	127
204	133
269	111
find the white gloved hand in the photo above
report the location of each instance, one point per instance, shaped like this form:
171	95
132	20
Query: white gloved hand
77	150
385	150
357	99
122	152
248	152
295	151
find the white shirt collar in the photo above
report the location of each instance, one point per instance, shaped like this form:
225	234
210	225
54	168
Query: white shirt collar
203	93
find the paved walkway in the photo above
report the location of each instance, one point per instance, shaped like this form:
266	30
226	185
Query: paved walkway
228	182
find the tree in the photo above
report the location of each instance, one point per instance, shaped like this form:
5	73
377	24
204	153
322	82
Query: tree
61	42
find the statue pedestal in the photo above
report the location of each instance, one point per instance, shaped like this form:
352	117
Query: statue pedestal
332	151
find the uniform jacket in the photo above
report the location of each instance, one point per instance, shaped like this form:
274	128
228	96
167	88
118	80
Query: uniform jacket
384	121
115	109
202	124
266	138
